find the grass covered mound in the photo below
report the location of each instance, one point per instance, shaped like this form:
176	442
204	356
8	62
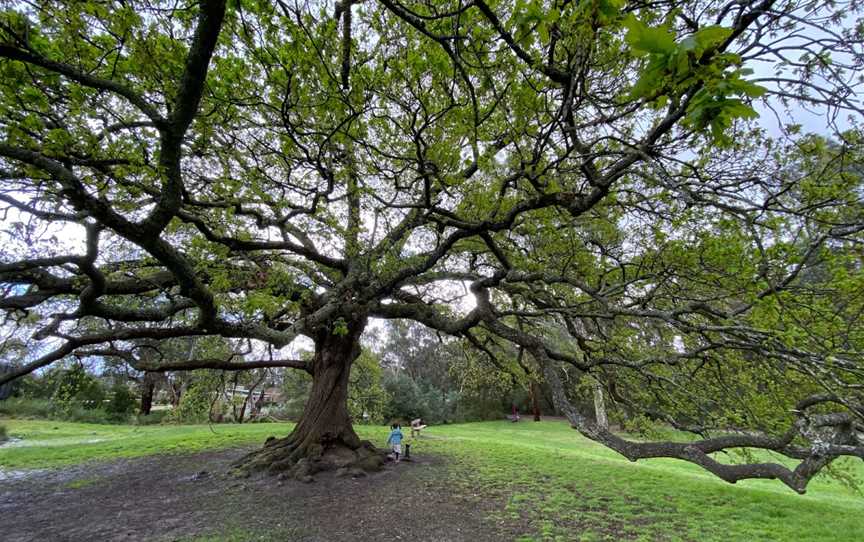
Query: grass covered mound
543	477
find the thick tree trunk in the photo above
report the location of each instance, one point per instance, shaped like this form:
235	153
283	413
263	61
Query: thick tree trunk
177	389
258	404
148	388
324	438
535	401
600	406
532	383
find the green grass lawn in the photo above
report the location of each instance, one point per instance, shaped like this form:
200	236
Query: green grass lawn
48	443
561	485
572	488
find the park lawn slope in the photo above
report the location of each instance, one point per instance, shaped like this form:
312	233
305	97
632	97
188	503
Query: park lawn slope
569	488
47	443
543	476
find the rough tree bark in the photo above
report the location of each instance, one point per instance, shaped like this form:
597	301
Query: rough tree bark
532	382
176	391
148	388
535	401
599	405
324	438
258	404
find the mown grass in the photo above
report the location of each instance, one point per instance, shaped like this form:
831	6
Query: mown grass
570	488
556	484
47	443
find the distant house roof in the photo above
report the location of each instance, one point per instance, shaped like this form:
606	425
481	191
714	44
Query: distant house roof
272	394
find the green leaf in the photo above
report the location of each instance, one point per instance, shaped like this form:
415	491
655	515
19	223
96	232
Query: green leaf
710	37
645	39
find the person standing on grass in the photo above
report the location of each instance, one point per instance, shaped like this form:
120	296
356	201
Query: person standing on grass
395	440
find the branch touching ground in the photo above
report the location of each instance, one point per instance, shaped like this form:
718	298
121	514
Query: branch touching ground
819	455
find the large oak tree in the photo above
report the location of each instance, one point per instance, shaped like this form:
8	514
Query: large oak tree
262	170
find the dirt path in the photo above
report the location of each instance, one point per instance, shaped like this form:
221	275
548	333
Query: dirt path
183	497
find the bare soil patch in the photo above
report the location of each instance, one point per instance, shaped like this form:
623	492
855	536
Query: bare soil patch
181	497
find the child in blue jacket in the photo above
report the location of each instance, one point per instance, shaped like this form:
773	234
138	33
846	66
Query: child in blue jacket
395	440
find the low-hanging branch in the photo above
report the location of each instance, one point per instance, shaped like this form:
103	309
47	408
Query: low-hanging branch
162	366
843	441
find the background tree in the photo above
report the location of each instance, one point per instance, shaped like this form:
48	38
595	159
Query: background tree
6	389
267	170
121	404
367	397
149	389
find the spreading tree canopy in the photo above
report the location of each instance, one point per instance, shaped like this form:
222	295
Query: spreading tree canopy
588	182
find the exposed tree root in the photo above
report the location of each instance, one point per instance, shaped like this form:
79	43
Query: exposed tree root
300	459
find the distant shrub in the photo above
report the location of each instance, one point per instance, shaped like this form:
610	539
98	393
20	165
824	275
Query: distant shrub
296	386
480	405
83	414
33	387
367	398
154	418
3	435
409	399
289	410
195	404
75	387
20	407
122	403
